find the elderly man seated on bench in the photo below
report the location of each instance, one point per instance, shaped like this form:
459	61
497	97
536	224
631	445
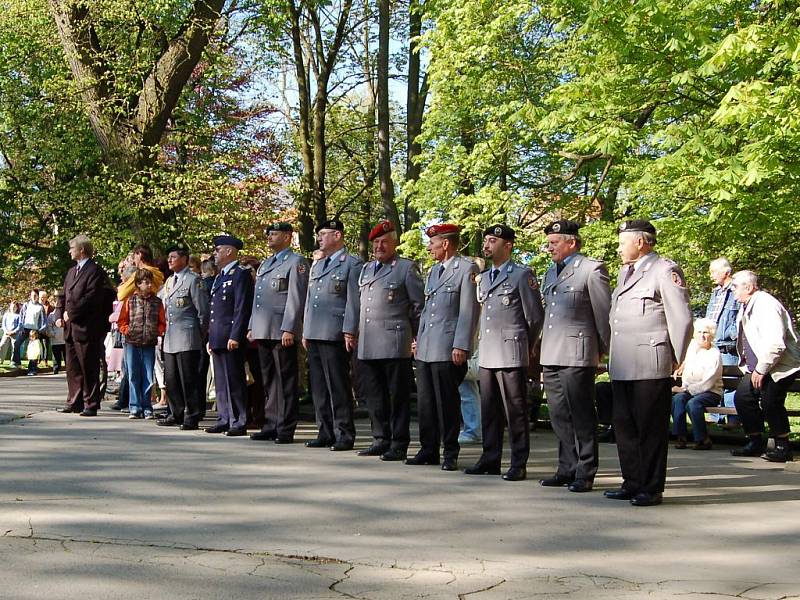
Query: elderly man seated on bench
701	386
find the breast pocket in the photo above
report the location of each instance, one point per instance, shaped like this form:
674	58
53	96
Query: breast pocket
645	300
337	284
391	290
451	295
280	282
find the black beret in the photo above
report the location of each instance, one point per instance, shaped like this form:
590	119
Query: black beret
280	226
563	226
335	224
228	240
637	225
180	248
501	231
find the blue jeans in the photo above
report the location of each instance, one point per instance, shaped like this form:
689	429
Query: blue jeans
470	408
139	362
684	402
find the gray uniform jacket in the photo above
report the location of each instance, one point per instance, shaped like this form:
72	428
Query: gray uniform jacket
651	322
391	303
451	312
333	300
186	310
576	306
511	317
280	296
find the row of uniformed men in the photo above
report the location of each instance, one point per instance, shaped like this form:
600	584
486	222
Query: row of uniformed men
387	315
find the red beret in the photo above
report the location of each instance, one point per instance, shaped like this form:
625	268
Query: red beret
380	229
441	228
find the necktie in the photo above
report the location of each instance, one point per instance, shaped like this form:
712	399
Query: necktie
441	271
327	262
493	275
175	281
378	265
628	275
559	268
273	261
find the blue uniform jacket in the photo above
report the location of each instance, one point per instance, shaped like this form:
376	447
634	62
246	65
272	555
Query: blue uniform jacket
230	306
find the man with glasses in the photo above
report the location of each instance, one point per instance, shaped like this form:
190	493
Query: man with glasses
276	324
330	325
230	306
186	306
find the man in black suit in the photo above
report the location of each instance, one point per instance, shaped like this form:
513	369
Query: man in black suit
84	316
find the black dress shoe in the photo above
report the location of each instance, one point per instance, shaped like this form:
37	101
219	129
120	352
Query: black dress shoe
217	429
68	409
515	474
580	485
236	432
284	440
189	427
393	455
89	412
481	468
341	446
372	451
647	499
619	494
449	464
267	436
751	448
422	458
556	481
168	422
318	443
779	455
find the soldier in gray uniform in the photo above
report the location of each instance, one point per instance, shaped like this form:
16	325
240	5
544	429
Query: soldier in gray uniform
509	327
276	324
651	327
575	334
391	302
444	342
186	307
331	314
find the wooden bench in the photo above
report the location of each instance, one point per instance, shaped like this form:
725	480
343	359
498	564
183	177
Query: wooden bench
731	376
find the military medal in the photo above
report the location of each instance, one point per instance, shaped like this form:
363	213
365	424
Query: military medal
506	300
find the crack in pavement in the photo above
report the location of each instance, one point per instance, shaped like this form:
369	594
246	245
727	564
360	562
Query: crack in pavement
489	588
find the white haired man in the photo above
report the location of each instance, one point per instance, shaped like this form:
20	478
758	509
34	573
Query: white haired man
770	358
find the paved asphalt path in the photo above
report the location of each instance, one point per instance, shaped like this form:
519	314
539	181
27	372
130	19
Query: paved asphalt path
109	508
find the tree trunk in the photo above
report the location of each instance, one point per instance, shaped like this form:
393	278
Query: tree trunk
384	156
365	212
413	99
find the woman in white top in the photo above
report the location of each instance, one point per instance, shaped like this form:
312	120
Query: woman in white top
701	386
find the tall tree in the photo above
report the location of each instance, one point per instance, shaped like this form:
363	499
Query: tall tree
384	125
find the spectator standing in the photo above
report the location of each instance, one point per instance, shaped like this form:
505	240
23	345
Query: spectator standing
142	258
34	352
701	386
723	310
55	334
10	331
31	318
770	358
141	321
87	305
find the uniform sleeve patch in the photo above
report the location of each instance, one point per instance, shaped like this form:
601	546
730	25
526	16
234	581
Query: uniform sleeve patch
473	277
533	283
677	280
301	268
